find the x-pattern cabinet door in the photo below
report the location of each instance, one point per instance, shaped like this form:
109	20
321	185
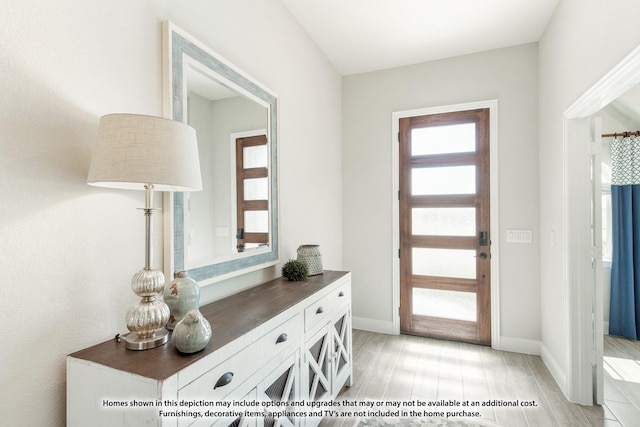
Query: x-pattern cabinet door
341	356
282	386
328	356
317	355
241	421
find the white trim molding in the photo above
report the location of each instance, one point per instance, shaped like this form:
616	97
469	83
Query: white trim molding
576	379
520	345
554	368
373	325
492	105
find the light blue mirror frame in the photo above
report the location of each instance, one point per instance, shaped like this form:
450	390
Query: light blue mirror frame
179	49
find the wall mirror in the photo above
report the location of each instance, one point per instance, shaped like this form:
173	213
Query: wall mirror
231	226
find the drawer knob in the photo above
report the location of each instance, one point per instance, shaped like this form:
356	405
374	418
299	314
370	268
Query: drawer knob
341	294
320	310
282	338
224	380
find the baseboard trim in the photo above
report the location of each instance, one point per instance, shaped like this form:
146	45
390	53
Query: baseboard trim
554	368
520	345
373	325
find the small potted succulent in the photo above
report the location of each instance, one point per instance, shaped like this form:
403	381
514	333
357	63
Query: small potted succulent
295	270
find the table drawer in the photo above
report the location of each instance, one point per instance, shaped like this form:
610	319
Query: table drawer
218	382
319	311
283	336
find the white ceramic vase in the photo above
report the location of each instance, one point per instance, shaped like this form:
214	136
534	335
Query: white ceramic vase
192	333
181	296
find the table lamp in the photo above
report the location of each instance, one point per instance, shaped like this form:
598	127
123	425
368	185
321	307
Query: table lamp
146	153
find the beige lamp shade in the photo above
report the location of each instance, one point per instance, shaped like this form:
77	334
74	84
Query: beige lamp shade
133	150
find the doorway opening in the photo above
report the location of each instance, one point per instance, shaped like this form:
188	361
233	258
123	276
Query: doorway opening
584	376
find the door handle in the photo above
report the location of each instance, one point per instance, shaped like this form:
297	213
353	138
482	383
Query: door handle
483	255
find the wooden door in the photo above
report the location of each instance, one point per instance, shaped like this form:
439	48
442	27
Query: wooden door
252	187
445	256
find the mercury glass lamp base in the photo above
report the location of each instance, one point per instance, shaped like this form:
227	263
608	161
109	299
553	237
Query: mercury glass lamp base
134	342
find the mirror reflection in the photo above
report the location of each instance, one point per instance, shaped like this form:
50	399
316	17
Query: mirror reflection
231	214
231	226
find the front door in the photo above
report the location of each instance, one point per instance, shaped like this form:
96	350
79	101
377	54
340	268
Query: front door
445	253
252	188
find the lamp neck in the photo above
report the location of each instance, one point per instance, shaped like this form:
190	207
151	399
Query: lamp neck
148	211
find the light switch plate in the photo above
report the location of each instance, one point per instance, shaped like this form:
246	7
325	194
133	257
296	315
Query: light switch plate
519	236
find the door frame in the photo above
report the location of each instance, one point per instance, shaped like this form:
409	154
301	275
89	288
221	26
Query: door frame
578	376
492	105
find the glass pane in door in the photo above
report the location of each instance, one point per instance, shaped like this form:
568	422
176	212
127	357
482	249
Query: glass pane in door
443	180
256	221
443	221
255	156
459	263
445	304
459	138
256	189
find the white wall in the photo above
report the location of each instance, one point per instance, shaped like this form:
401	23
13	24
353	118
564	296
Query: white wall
69	250
508	75
583	41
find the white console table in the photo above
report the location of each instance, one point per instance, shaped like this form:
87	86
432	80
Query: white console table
280	341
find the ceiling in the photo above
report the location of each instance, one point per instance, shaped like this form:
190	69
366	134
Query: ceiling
367	35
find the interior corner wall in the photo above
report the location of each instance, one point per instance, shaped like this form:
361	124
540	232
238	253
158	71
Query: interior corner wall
69	250
508	75
582	42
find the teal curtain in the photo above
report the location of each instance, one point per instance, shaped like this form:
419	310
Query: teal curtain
624	317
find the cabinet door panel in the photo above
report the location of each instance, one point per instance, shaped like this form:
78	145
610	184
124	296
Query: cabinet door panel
239	421
341	365
318	349
283	385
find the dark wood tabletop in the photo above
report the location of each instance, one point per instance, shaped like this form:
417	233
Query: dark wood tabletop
230	318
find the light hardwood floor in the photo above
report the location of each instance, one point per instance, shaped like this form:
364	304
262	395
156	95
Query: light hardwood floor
621	381
408	368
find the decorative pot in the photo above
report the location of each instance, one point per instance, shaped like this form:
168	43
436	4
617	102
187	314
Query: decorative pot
192	333
182	295
310	255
